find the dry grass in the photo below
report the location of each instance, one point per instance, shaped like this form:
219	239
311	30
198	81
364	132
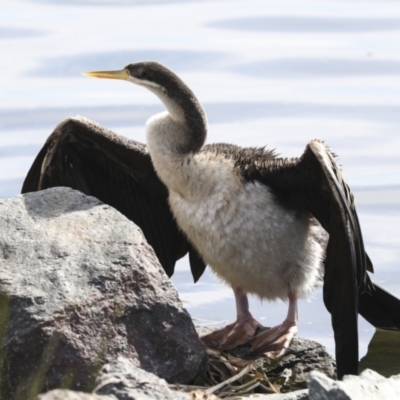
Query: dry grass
229	378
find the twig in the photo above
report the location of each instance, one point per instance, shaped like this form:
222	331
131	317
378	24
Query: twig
234	378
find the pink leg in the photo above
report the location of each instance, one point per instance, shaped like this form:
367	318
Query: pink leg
275	341
237	333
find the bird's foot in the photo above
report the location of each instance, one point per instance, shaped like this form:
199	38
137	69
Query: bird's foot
274	342
232	335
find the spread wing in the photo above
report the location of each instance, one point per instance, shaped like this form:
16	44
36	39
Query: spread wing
315	183
84	156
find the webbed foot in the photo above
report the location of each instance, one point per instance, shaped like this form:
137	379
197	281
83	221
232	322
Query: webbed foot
232	335
274	342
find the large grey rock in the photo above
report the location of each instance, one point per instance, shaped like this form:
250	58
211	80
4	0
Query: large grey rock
127	382
80	287
368	386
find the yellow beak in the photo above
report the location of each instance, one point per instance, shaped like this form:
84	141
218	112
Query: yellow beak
122	74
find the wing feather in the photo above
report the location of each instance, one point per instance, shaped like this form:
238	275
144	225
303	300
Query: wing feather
315	183
84	156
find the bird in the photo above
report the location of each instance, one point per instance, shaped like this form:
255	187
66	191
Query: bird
254	218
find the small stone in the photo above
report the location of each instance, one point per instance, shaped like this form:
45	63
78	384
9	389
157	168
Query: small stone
125	381
61	394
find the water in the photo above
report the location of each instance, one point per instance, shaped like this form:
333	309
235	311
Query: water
383	342
275	73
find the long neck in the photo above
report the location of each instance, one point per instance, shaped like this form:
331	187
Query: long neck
188	128
176	136
173	140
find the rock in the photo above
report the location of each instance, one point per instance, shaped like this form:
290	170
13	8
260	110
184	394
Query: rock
80	286
297	395
289	372
127	382
303	356
368	386
63	394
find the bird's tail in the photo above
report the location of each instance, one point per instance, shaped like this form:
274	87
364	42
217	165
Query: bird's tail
380	308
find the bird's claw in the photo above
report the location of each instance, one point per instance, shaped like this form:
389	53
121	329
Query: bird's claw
233	335
274	342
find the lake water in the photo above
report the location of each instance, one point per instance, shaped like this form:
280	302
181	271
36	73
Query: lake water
275	73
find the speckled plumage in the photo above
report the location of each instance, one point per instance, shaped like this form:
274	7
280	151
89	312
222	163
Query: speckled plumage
236	223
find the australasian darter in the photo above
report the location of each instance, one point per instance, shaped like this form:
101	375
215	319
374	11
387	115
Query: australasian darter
248	214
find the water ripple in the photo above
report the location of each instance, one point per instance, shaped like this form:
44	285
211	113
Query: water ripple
222	112
16	33
177	60
307	24
300	68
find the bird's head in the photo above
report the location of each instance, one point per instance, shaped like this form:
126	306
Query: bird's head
150	74
179	100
